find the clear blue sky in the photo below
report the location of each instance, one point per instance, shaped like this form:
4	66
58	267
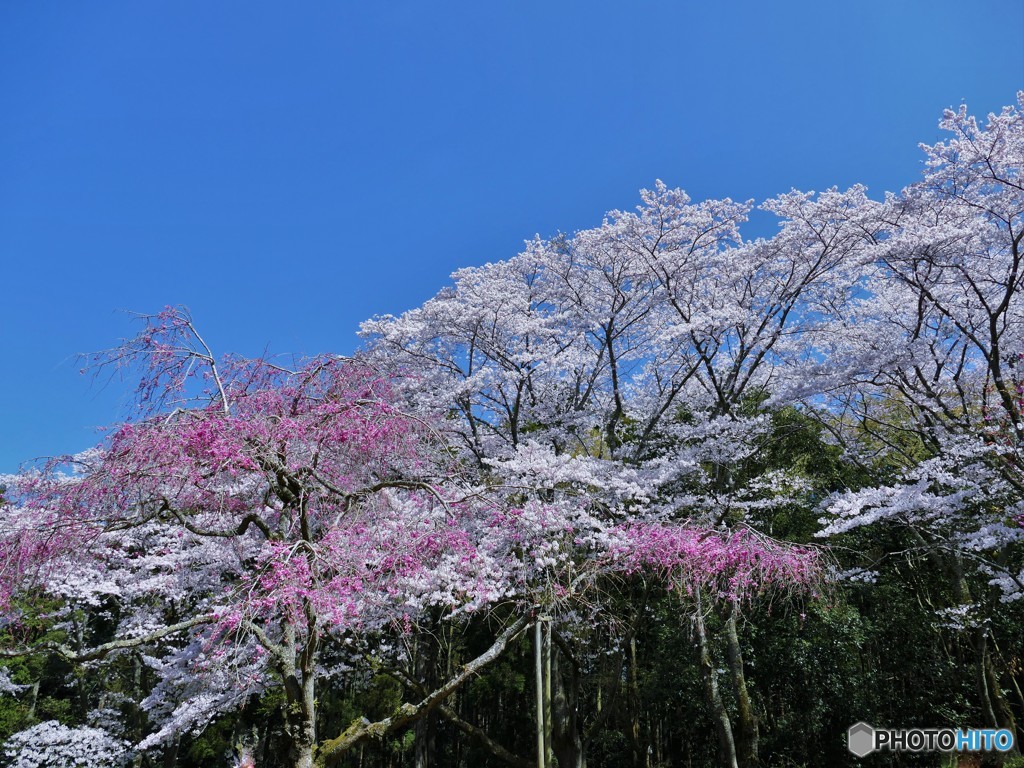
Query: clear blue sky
289	169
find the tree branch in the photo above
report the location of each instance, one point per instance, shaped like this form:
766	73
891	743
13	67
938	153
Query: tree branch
100	651
362	729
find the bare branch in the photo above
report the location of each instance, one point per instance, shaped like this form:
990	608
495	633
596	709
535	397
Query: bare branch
99	651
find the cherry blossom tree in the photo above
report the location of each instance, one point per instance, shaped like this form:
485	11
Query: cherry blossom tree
254	522
247	522
931	360
936	345
639	361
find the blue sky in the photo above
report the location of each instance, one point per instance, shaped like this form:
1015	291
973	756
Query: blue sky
289	169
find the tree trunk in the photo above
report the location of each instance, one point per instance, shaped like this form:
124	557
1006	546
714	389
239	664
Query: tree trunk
538	663
170	757
640	759
709	674
300	701
567	740
301	723
988	711
303	756
995	705
747	734
135	725
549	726
425	730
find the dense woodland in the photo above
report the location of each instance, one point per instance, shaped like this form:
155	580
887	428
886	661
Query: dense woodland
681	497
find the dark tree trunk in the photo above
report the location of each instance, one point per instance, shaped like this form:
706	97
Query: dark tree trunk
425	730
567	740
170	758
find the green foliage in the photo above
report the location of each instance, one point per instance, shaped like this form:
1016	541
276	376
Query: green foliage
213	744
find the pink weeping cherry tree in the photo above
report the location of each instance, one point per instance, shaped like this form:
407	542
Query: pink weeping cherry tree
251	521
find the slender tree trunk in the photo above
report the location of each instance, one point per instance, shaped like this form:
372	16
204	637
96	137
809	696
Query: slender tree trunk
747	733
538	661
998	705
981	677
633	704
995	708
709	674
135	718
82	696
549	725
425	730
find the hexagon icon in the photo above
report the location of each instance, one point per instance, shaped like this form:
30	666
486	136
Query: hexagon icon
860	739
